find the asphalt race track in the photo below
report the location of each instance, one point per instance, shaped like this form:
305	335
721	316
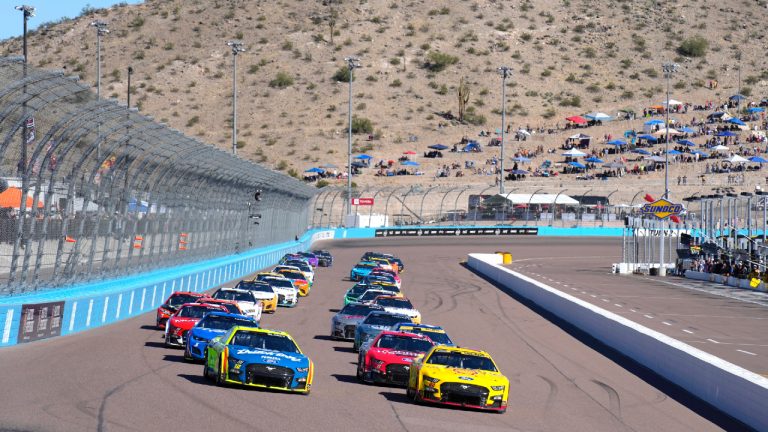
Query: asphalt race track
121	377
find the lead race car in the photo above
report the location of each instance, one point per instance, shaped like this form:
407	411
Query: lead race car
258	357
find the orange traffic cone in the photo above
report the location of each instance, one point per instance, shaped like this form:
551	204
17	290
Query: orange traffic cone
69	239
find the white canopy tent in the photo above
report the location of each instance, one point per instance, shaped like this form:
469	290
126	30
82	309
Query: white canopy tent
537	199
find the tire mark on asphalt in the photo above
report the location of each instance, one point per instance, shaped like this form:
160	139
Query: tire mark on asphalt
551	395
397	416
614	401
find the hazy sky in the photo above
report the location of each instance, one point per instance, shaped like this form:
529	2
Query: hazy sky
11	22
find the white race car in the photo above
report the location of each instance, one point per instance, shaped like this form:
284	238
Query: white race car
287	294
398	305
246	300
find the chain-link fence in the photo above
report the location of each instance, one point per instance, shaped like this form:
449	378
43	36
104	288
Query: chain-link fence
91	189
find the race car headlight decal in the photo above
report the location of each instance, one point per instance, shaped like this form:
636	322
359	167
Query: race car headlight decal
497	388
429	379
496	398
377	363
302	369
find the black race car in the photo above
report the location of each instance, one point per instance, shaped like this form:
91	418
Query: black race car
324	258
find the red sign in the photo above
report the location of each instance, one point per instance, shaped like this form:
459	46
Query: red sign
362	201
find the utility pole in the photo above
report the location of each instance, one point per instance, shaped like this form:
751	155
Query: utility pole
27	13
101	30
505	72
352	64
237	48
668	69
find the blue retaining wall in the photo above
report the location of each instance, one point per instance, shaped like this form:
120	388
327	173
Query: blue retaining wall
95	304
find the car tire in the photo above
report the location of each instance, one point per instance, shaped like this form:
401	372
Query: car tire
501	411
409	393
168	341
206	375
187	354
220	376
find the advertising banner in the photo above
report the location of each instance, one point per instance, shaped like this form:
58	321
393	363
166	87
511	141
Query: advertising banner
40	321
427	232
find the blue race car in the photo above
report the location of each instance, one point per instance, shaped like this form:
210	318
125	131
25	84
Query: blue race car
436	333
258	357
362	269
212	325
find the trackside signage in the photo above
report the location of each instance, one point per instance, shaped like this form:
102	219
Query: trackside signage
662	209
419	232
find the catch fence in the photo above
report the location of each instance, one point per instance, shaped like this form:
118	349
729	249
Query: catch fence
92	190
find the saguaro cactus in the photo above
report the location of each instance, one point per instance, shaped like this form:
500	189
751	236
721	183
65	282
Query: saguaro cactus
463	93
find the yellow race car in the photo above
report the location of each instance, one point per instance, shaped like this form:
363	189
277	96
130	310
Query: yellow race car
460	377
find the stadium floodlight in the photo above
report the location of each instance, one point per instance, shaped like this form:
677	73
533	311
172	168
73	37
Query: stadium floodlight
505	72
352	64
101	30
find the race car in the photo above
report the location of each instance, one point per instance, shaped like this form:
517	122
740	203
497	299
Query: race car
392	259
387	359
185	318
353	294
344	322
313	259
436	333
373	324
262	291
172	304
258	357
370	295
361	270
212	325
460	377
304	268
384	263
287	294
398	305
246	300
230	305
298	280
292	257
324	258
375	276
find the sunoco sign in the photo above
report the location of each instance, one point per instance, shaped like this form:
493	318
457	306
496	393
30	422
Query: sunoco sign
662	209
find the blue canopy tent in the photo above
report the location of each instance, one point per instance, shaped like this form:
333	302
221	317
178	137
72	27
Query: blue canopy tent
753	110
687	130
737	121
593	159
363	157
472	146
700	153
674	152
438	147
737	97
716	115
617	142
649	138
758	159
653	122
577	165
687	143
641	151
410	163
725	134
315	170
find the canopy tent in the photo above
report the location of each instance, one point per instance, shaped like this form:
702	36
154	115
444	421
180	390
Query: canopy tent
543	199
737	97
758	159
736	159
438	147
472	146
737	121
641	151
672	102
665	131
574	153
577	119
409	163
700	153
719	148
577	165
523	132
674	152
653	122
617	142
649	138
687	129
726	134
315	170
598	116
409	152
363	157
687	143
11	198
593	159
657	159
753	110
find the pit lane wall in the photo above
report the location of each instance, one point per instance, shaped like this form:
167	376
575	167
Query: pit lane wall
45	314
732	389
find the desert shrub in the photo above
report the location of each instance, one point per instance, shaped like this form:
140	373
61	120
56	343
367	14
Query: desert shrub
282	80
361	125
437	61
695	46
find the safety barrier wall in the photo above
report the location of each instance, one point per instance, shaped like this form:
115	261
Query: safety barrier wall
732	389
41	315
725	280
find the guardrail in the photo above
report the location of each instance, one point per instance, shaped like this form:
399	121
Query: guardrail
41	315
732	389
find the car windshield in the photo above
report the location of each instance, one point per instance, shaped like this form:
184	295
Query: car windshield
357	309
266	341
231	308
395	303
193	311
180	299
293	275
380	278
460	360
366	266
385	319
301	265
218	322
370	294
278	282
438	336
254	286
404	343
233	295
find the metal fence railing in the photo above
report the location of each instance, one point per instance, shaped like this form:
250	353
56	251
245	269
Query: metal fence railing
91	189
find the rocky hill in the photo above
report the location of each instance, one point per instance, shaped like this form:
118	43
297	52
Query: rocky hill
567	57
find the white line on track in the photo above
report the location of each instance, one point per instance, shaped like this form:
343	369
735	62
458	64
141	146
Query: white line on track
592	295
747	352
713	341
633	310
617	305
688	331
666	323
605	300
648	316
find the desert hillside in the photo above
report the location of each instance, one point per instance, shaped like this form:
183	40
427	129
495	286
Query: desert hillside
567	57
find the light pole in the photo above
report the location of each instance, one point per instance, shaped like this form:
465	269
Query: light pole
668	69
101	30
237	48
130	72
352	64
505	72
27	13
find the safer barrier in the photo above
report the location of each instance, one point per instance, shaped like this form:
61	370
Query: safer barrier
732	389
725	280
